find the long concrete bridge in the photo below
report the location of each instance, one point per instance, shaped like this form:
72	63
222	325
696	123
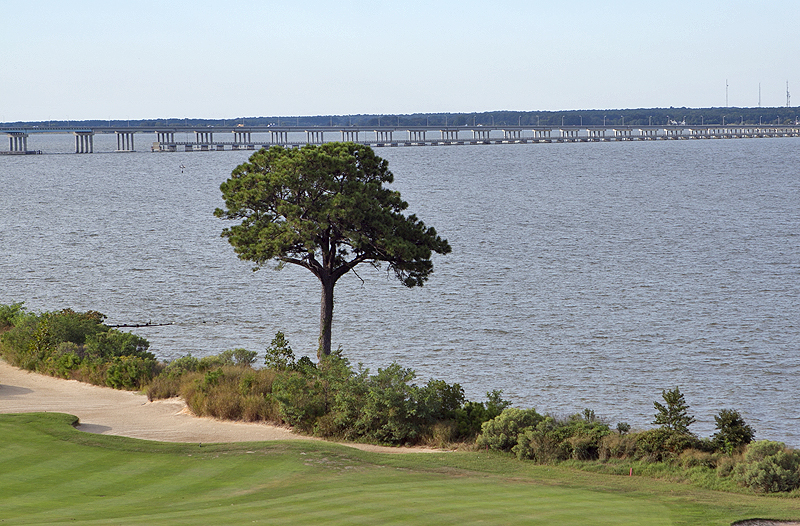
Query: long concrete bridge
22	140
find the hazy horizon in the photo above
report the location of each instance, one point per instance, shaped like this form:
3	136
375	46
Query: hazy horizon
137	60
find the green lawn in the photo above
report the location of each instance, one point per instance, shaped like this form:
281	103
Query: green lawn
51	473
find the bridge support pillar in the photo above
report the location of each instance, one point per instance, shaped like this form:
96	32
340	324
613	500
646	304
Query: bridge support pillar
597	134
383	136
416	135
512	134
166	136
124	141
84	142
18	142
314	137
480	134
449	135
648	133
204	137
542	134
350	135
241	137
279	137
624	135
571	134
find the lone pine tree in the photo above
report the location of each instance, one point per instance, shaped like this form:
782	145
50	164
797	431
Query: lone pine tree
325	208
675	414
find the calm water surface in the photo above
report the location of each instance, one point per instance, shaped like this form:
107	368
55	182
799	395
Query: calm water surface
582	275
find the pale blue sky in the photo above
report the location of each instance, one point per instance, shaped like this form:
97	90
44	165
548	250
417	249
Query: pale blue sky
133	59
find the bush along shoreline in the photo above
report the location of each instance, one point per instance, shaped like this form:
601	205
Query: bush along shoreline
73	345
331	399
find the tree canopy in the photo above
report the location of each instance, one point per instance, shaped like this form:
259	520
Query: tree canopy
675	414
325	208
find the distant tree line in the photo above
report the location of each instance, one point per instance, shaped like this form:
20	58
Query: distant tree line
608	117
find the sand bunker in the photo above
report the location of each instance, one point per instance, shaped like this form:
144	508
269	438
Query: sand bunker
123	413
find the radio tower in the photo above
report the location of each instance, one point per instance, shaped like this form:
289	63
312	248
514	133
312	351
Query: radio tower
788	97
726	93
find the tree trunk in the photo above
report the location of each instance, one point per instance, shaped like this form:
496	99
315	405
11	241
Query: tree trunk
325	316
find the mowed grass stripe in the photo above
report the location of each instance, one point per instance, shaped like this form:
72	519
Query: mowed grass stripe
381	495
447	501
112	480
133	483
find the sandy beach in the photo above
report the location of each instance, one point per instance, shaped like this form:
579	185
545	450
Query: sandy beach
124	413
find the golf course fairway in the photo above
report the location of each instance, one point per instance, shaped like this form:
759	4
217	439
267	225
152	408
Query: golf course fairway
51	473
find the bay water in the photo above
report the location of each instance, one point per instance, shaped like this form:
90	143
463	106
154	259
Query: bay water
588	275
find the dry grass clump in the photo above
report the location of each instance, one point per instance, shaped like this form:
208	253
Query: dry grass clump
231	393
617	446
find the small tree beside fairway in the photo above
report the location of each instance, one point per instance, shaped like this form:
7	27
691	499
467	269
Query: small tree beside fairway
675	414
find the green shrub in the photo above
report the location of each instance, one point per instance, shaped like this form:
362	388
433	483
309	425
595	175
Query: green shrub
34	341
656	445
210	363
552	440
471	415
305	392
538	445
348	392
241	357
439	401
41	346
583	447
9	314
388	414
301	399
758	451
231	357
64	361
113	343
501	432
769	467
181	366
15	342
332	400
129	372
732	431
70	326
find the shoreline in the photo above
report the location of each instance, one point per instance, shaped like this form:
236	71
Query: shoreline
108	411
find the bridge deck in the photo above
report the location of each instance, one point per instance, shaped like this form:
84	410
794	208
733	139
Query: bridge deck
208	139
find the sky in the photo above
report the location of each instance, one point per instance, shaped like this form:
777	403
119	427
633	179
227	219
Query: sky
143	59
